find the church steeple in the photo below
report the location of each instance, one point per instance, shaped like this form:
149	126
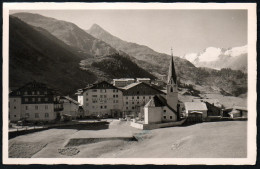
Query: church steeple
172	74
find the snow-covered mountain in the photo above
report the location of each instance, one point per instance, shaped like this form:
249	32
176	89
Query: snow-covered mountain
217	58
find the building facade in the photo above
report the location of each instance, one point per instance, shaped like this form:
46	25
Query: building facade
136	96
34	102
101	99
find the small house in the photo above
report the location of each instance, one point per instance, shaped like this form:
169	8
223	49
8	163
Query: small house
195	111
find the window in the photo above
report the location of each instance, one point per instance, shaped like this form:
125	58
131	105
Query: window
46	115
133	97
126	102
101	96
45	92
144	97
164	111
36	115
36	107
46	99
33	99
133	102
46	107
86	99
27	115
14	100
26	107
93	107
133	107
94	90
94	95
137	92
26	99
14	107
94	101
171	89
105	96
38	92
126	108
18	93
126	97
14	115
149	97
137	102
137	97
101	107
164	117
116	96
105	107
32	92
39	99
25	93
170	117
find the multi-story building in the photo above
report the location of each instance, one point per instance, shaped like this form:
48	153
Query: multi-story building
123	82
101	99
34	102
135	96
144	80
70	106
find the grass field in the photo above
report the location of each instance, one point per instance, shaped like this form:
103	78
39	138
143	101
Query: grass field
227	139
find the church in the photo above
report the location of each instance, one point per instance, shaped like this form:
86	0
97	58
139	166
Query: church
161	108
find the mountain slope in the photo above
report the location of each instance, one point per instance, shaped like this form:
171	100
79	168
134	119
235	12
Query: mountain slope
234	82
157	60
34	56
69	33
217	58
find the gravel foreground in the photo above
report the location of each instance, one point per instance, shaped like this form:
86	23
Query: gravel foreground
227	139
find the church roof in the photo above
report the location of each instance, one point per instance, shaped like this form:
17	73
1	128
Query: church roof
172	73
159	101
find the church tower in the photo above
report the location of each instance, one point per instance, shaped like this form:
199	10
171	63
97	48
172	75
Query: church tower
172	88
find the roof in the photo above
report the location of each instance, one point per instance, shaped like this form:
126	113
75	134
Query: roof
158	101
195	106
99	85
143	79
131	85
70	99
237	108
123	79
172	73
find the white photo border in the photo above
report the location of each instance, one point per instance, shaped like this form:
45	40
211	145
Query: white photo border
252	76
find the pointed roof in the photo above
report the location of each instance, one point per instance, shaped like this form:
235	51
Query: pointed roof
172	73
159	101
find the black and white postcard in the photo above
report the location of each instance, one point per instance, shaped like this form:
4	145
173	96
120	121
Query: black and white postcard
129	83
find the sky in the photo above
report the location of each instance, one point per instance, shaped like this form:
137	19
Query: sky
186	31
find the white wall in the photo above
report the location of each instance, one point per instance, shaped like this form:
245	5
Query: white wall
103	103
152	115
42	109
169	114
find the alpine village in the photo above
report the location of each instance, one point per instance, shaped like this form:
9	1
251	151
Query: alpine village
62	78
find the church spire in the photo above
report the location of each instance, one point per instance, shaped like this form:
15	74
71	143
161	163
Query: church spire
172	73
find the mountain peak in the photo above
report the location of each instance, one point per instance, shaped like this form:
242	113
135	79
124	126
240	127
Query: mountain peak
96	27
